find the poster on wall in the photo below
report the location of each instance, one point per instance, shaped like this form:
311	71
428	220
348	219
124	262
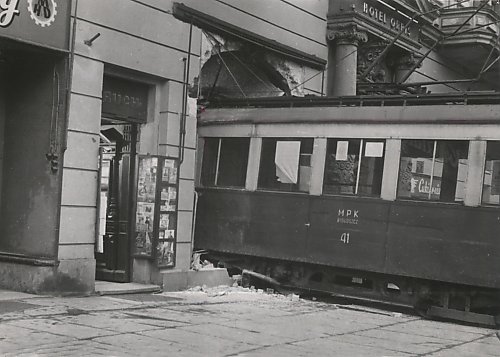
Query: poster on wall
165	253
165	250
156	209
145	207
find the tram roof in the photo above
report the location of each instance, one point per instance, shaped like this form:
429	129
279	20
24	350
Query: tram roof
459	98
463	107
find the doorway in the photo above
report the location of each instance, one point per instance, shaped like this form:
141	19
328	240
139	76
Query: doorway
117	158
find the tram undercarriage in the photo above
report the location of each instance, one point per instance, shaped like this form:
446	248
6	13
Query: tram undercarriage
430	299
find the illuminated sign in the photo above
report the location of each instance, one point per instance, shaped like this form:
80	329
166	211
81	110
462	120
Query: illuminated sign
42	22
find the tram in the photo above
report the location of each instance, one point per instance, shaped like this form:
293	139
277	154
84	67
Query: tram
393	199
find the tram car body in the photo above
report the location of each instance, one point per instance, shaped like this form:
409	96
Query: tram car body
394	199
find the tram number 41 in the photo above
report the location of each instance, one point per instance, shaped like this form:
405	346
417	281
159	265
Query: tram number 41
344	238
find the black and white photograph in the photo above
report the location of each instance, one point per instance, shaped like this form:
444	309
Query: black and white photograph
250	178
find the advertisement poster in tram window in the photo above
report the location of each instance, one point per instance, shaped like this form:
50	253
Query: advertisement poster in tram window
495	177
146	204
415	178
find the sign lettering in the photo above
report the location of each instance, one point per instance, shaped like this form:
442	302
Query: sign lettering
42	5
8	9
423	185
347	216
125	99
39	22
43	12
119	98
382	17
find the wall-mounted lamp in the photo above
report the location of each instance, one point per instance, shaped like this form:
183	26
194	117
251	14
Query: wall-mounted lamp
95	37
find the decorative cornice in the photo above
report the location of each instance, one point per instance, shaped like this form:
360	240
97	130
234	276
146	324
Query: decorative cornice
373	28
407	61
369	52
346	35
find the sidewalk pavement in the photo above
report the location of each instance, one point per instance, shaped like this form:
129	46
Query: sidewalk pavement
223	322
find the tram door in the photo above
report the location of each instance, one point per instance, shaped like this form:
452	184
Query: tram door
116	183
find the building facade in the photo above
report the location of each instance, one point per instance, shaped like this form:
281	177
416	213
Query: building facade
34	66
98	143
391	47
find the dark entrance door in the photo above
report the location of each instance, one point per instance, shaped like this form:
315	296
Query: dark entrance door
117	156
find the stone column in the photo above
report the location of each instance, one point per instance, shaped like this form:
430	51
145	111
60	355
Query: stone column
343	59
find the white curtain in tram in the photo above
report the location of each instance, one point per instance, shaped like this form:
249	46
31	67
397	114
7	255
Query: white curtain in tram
287	161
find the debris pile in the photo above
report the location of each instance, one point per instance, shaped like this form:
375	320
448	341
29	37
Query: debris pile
198	264
223	290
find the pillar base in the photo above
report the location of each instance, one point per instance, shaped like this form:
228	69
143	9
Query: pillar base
69	277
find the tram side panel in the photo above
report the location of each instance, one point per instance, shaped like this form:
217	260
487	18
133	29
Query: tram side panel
257	224
223	220
348	233
445	243
451	243
334	231
278	226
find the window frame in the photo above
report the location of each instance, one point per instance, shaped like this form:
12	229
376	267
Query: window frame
431	181
214	181
361	142
483	175
263	187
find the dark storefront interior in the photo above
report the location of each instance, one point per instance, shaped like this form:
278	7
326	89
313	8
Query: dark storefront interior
32	108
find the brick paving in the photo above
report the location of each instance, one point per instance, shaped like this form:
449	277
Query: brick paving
223	322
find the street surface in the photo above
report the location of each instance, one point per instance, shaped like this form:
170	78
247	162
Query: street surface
223	322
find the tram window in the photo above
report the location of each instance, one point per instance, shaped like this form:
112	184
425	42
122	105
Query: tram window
434	170
491	180
225	162
346	173
285	164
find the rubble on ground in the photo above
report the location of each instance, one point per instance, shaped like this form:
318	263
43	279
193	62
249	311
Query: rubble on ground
223	290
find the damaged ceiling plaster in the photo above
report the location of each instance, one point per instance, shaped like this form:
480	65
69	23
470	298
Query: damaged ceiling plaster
233	69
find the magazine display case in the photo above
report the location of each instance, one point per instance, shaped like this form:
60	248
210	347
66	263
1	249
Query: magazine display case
156	209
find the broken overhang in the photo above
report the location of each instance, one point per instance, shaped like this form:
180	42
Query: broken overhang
215	25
